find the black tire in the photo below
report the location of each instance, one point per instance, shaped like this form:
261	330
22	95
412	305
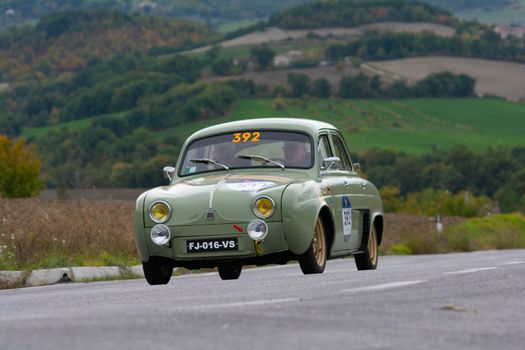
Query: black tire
314	259
229	271
157	270
367	260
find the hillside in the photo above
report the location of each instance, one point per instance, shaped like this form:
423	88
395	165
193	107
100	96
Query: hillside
67	41
228	15
340	13
469	5
211	11
492	11
108	98
411	125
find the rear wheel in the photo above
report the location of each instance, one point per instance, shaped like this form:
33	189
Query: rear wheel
229	271
314	259
367	260
157	270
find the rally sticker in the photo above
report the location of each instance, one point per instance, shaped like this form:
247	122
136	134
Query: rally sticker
250	185
347	218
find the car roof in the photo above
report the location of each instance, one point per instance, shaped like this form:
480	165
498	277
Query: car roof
293	124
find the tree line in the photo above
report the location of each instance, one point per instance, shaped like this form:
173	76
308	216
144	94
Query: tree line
342	13
384	46
444	84
498	173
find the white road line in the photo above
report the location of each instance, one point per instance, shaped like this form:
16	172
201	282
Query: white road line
469	270
383	286
517	262
239	304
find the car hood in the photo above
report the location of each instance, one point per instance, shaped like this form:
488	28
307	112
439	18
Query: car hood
229	196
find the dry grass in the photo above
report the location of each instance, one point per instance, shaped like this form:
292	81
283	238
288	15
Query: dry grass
37	233
415	234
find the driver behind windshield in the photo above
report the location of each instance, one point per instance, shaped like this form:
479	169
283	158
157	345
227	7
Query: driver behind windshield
295	154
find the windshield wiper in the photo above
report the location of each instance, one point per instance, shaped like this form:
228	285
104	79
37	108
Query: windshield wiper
209	161
261	158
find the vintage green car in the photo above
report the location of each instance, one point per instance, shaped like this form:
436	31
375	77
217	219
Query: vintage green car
255	192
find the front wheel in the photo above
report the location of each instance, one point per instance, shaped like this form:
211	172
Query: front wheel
367	260
314	259
157	270
229	271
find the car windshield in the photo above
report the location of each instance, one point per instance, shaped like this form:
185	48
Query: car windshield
248	149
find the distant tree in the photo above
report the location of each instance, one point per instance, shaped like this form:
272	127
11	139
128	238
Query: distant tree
222	67
355	87
278	103
19	169
264	55
212	53
321	88
299	84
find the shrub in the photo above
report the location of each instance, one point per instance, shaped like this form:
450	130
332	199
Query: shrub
19	169
504	231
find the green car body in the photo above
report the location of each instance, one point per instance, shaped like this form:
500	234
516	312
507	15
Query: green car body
218	205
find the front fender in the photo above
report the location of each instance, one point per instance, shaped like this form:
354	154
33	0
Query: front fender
301	204
140	238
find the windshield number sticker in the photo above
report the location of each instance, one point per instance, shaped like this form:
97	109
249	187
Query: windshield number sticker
246	136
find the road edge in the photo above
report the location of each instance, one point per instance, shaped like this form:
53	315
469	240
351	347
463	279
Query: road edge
44	277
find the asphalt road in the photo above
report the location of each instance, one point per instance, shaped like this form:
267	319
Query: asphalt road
453	301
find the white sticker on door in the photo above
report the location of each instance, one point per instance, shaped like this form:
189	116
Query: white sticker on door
347	218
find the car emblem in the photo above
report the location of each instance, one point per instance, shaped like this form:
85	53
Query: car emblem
210	214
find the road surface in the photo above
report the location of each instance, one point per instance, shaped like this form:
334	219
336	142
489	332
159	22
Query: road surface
453	301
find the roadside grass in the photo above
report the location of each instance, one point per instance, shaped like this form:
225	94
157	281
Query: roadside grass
39	234
505	231
412	234
47	234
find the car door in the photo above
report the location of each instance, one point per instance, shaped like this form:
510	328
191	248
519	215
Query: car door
348	191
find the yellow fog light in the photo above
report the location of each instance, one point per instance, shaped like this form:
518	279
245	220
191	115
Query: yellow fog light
263	207
159	212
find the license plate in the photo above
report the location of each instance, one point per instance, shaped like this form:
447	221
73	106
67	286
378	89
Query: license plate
212	245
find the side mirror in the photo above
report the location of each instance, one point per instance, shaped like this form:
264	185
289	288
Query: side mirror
168	171
331	161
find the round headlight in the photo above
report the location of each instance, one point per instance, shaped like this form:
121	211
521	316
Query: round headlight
159	212
160	234
263	207
257	230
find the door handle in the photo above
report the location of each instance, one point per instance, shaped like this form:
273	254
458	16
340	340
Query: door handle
363	184
347	184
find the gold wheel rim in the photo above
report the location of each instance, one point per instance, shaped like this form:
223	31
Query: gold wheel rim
319	243
372	246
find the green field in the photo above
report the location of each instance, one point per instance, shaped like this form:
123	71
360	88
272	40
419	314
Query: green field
74	124
234	25
412	125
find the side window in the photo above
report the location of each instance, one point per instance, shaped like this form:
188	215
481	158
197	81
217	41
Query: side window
323	150
339	150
